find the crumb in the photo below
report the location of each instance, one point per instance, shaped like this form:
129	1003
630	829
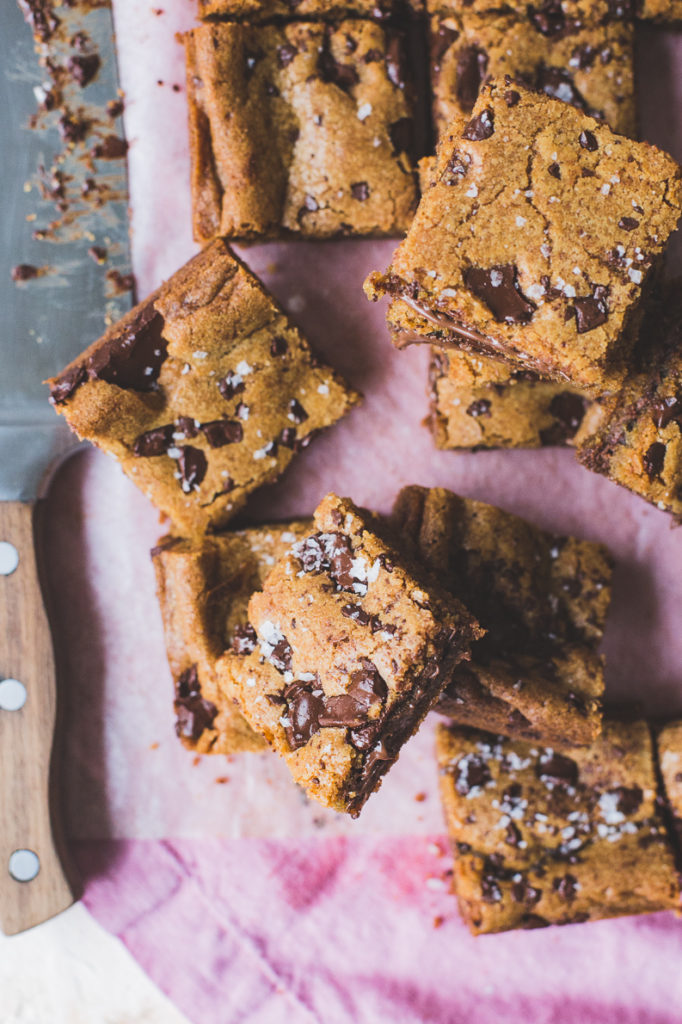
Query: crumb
24	272
222	779
438	921
196	760
97	253
177	88
420	797
153	746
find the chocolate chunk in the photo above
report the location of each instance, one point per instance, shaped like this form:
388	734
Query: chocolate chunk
473	772
513	834
512	97
356	613
302	714
533	921
550	20
456	168
559	84
592	310
628	223
231	385
244	639
401	134
524	892
588	140
441	43
66	384
481	407
395	59
472	65
193	713
569	410
566	887
111	147
499	289
41	17
281	655
629	799
556	768
360	190
666	410
296	412
218	433
340	555
654	459
342	711
192	465
480	127
97	253
287	437
330	70
278	346
584	57
285	54
555	170
367	686
24	272
133	359
72	128
328	552
490	889
83	67
154	442
187	426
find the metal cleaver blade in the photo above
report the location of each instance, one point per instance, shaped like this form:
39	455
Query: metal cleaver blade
45	321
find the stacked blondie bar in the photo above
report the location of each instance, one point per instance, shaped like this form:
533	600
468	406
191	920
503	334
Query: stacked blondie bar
532	265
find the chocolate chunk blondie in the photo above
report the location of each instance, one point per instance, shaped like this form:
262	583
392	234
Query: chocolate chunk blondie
536	242
555	836
257	11
351	646
583	61
300	129
204	586
542	599
203	392
638	439
520	410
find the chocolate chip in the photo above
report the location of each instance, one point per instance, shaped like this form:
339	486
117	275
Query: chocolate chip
133	359
367	686
356	613
341	562
278	346
550	20
584	57
512	97
588	140
192	465
566	887
533	921
569	410
481	407
592	310
360	190
328	552
555	170
513	834
154	442
111	147
287	437
490	889
666	410
41	17
629	799
441	43
193	713
628	223
66	384
395	59
296	412
285	54
231	385
244	639
302	714
456	168
654	459
71	128
480	127
556	768
281	655
401	134
342	711
499	289
472	65
524	892
187	426
218	433
83	67
472	772
330	70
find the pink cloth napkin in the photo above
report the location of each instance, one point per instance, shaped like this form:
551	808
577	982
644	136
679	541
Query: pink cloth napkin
244	903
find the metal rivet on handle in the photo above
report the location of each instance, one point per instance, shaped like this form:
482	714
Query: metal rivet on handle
12	695
9	558
24	865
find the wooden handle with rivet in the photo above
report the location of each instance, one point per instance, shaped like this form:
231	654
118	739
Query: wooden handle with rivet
27	724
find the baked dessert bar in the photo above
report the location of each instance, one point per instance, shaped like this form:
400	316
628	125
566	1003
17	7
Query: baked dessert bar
300	129
669	744
351	646
536	242
543	602
554	836
203	392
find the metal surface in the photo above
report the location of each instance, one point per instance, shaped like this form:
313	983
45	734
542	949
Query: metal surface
47	321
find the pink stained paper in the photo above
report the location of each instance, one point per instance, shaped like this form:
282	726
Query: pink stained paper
184	907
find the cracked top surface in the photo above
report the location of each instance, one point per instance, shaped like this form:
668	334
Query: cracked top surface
591	67
203	392
553	836
300	128
351	646
536	239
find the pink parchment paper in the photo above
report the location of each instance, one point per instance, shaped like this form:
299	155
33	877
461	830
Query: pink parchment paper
242	823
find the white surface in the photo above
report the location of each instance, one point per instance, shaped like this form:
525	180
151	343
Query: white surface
70	971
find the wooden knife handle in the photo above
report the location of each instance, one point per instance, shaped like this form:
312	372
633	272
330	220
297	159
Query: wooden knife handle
26	734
